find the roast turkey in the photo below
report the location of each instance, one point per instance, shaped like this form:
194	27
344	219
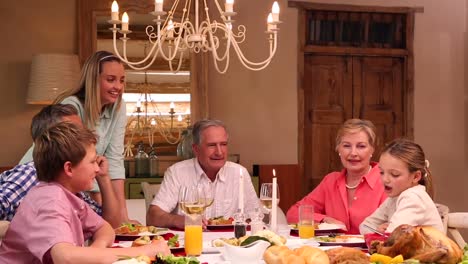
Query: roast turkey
424	243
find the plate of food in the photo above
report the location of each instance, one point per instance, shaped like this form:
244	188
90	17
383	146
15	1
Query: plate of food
129	232
220	222
172	241
342	240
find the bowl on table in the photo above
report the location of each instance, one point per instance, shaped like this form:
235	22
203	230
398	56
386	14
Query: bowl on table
252	253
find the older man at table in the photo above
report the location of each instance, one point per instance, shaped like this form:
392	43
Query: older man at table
209	168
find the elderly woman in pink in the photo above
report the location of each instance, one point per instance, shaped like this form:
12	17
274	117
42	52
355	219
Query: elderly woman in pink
347	197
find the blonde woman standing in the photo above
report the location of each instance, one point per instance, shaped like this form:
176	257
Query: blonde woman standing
98	100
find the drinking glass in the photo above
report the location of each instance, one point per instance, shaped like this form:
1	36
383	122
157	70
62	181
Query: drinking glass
266	196
207	190
306	221
193	241
192	200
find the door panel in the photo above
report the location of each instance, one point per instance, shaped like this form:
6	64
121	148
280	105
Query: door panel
337	88
328	102
378	91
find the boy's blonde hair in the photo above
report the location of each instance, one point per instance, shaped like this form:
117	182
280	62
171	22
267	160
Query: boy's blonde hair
59	143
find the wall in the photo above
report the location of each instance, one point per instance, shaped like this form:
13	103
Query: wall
28	27
260	108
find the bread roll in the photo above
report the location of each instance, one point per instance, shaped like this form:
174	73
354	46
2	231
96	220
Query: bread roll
278	255
312	255
305	255
346	255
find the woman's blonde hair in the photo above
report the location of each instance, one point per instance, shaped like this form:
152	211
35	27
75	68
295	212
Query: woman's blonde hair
356	125
413	156
88	89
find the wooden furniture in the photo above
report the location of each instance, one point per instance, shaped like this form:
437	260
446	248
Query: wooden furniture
455	222
353	62
288	181
443	212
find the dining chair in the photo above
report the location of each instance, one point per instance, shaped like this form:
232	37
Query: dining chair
149	191
455	222
443	212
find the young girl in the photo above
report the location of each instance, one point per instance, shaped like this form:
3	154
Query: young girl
408	185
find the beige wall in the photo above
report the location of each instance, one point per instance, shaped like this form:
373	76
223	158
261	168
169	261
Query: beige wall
260	108
28	27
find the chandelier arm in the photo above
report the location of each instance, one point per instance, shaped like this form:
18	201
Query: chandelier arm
181	58
250	65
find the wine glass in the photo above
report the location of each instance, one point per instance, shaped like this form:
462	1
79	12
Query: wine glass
266	196
192	200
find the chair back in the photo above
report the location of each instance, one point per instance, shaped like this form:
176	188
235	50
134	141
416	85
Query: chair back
149	191
443	212
456	221
3	228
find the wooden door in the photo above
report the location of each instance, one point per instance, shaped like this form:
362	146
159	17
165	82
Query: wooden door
337	88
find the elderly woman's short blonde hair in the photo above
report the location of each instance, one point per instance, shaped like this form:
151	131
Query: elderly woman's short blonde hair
356	125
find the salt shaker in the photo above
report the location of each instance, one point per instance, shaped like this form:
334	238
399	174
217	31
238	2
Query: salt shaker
256	223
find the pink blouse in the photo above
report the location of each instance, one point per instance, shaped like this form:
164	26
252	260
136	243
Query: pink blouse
330	198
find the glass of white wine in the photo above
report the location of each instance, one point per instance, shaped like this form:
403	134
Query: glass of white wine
192	200
266	196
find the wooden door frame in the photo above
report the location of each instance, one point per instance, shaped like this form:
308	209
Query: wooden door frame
303	50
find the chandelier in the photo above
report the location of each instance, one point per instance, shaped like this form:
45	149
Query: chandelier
150	118
172	40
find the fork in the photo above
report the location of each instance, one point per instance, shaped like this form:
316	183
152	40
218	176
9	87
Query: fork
375	230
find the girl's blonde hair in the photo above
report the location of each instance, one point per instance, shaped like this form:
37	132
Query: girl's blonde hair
355	125
413	155
88	89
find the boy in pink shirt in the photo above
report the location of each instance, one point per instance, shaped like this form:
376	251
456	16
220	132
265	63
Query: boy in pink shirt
52	223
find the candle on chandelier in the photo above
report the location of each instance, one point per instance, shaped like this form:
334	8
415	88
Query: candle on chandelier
138	104
270	25
158	5
153	122
115	11
179	118
170	30
125	21
275	12
241	191
172	106
229	6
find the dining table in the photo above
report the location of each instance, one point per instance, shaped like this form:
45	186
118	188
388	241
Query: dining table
213	255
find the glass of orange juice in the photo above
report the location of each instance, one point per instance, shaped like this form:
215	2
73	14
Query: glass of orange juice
193	235
306	221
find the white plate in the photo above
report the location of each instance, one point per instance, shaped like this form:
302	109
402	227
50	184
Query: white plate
349	241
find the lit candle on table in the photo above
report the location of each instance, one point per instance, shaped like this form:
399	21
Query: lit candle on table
115	11
125	21
241	191
274	203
